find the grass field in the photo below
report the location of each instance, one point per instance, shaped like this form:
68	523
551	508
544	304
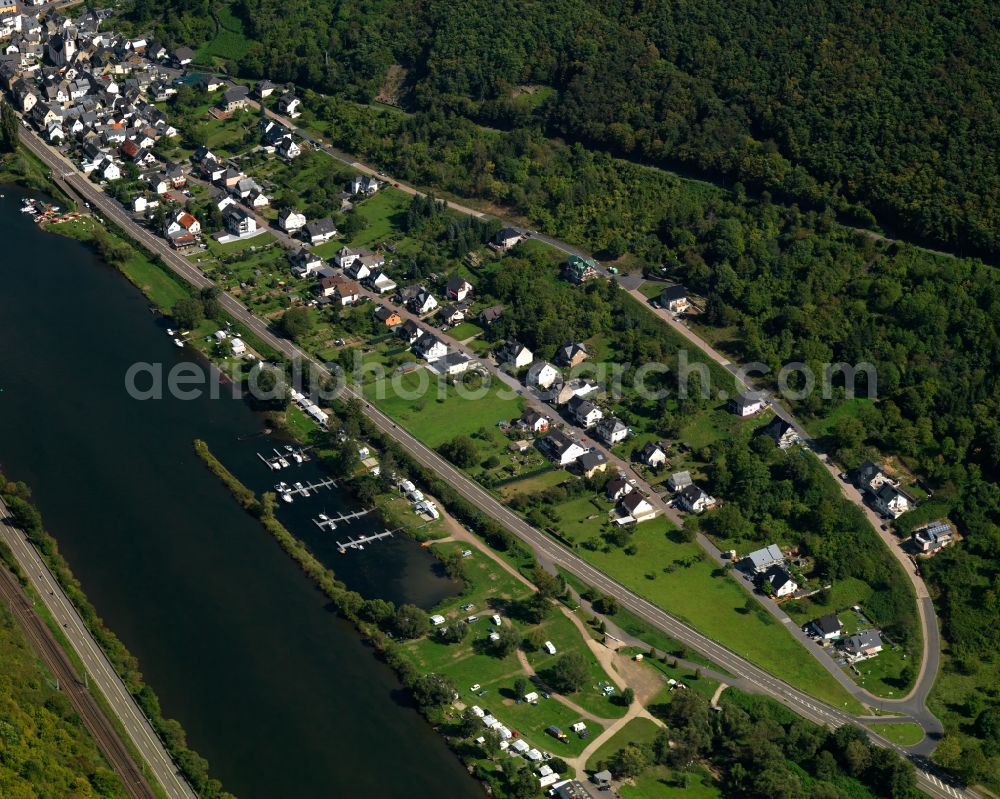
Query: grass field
385	213
660	782
636	732
464	331
677	577
904	734
438	417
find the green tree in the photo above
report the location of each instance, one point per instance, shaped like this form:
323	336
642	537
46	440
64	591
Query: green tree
188	313
433	690
9	128
628	762
569	673
297	323
410	621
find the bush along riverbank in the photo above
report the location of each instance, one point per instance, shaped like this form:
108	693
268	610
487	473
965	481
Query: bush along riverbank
195	768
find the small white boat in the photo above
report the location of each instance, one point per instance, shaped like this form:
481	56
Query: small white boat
286	497
302	489
282	487
296	457
324	518
283	462
170	332
178	342
289	448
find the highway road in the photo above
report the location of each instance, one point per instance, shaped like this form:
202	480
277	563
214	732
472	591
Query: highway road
100	671
44	644
937	785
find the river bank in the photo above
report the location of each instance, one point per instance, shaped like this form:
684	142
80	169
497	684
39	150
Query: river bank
242	651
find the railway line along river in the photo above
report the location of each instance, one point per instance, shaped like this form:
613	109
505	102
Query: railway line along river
277	692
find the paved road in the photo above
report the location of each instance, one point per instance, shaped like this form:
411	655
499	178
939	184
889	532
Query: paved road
98	668
52	654
542	544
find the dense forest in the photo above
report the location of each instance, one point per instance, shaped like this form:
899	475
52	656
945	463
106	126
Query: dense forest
885	108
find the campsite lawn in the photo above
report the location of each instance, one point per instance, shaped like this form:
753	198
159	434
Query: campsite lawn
660	782
679	578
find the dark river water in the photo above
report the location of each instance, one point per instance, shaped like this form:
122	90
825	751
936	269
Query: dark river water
273	689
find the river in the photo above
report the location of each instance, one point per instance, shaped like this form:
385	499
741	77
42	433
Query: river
277	692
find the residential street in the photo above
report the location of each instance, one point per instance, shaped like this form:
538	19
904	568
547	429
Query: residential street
538	541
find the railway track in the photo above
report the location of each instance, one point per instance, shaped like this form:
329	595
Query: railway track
48	649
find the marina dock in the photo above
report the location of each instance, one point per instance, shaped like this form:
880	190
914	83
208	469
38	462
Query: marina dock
283	459
359	543
330	522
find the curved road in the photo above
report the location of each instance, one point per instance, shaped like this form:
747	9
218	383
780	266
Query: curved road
931	781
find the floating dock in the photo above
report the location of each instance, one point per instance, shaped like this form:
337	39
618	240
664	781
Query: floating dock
359	543
283	459
309	488
330	523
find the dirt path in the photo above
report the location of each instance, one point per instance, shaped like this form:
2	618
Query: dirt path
718	692
636	711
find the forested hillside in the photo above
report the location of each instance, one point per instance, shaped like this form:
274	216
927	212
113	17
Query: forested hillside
891	106
44	749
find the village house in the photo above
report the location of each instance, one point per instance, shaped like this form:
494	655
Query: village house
182	56
933	537
364	186
182	223
291	220
575	388
611	431
584	412
781	432
379	281
571	354
409	331
826	628
288	105
305	263
453	363
778	582
695	500
423	303
430	347
287	148
533	422
234	99
579	270
617	487
561	448
453	314
542	374
635	508
387	316
883	491
319	231
506	238
760	560
747	403
515	354
679	481
239	222
490	315
458	288
674	299
592	462
263	89
862	645
339	289
653	455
